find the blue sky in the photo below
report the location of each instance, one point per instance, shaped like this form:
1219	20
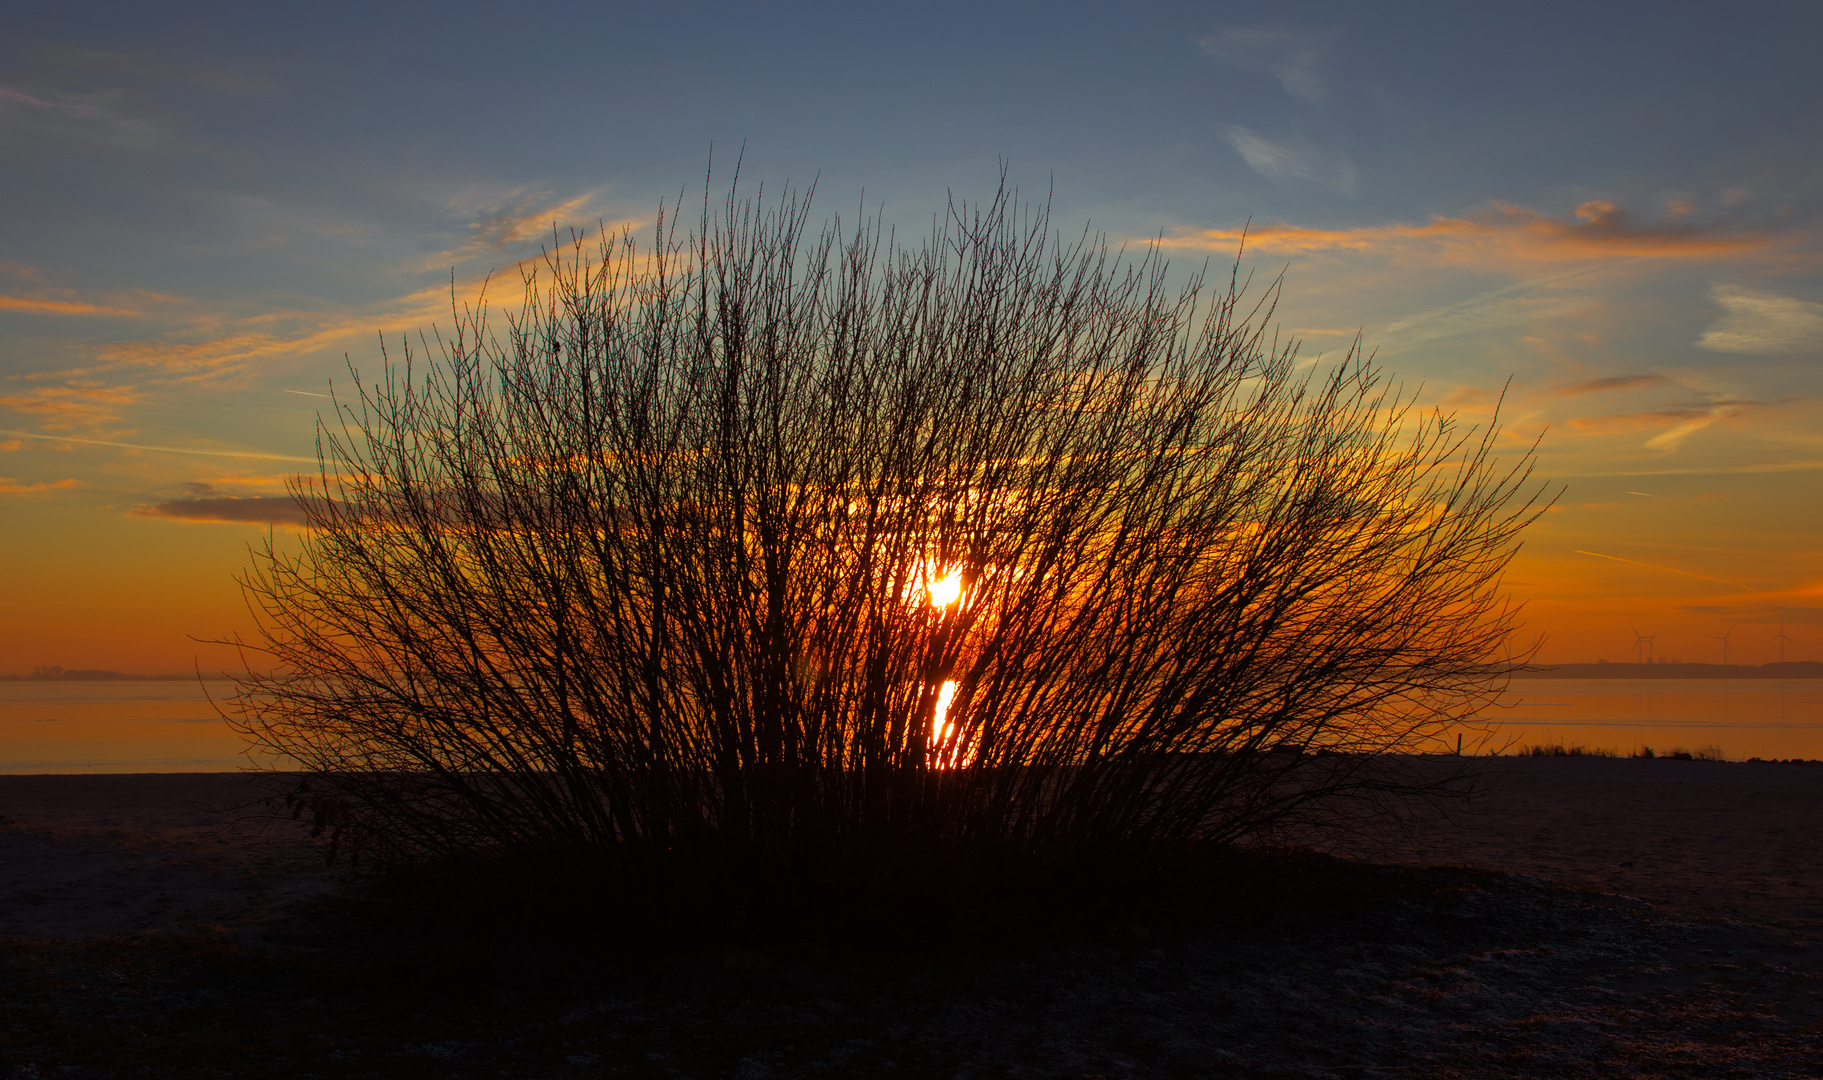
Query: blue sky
1615	207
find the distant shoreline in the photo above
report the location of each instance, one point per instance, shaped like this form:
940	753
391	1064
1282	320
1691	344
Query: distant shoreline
1793	669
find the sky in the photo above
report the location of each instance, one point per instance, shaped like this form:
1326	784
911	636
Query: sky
1604	220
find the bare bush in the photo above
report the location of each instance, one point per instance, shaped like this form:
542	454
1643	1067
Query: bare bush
811	570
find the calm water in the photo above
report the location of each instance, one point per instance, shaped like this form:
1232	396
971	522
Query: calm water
1745	717
90	727
72	727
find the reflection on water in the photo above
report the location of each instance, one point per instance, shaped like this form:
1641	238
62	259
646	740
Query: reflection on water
68	727
99	727
1767	718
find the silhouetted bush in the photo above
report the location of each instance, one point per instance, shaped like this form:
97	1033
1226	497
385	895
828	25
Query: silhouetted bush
1573	750
1678	753
779	575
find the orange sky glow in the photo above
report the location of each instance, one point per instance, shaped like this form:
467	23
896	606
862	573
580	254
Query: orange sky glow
207	224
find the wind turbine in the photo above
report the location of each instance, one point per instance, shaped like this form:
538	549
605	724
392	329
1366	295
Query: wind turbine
1642	645
1723	638
1782	638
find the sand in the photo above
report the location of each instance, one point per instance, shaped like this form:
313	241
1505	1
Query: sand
130	854
110	856
1701	839
88	856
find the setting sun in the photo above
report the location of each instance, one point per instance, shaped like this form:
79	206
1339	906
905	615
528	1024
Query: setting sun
944	591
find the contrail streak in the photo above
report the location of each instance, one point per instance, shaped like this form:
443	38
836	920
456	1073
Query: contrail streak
159	449
1721	470
1390	335
1671	569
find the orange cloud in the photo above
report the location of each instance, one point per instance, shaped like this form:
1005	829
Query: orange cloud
1672	423
212	486
1602	231
524	221
56	307
9	487
72	406
1652	419
202	357
219	346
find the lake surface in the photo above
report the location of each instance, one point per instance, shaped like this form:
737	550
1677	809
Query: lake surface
115	727
123	727
1767	718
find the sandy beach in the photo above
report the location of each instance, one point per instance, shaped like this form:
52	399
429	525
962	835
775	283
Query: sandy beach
1623	917
93	856
109	856
1701	839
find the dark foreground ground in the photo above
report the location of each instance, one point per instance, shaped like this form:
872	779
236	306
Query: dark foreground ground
146	934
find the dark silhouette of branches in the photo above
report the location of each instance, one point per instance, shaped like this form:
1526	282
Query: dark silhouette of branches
813	569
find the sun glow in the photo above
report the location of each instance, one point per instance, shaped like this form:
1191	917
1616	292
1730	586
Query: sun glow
944	591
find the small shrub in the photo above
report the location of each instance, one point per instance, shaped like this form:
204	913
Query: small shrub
1560	750
1678	753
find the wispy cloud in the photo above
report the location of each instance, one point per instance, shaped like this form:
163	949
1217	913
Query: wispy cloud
1673	437
74	405
1293	158
1601	231
90	116
1671	424
1762	322
217	345
1294	57
1752	469
13	487
14	100
1792	608
254	454
1519	302
519	218
57	307
44	299
1602	386
239	483
152	65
